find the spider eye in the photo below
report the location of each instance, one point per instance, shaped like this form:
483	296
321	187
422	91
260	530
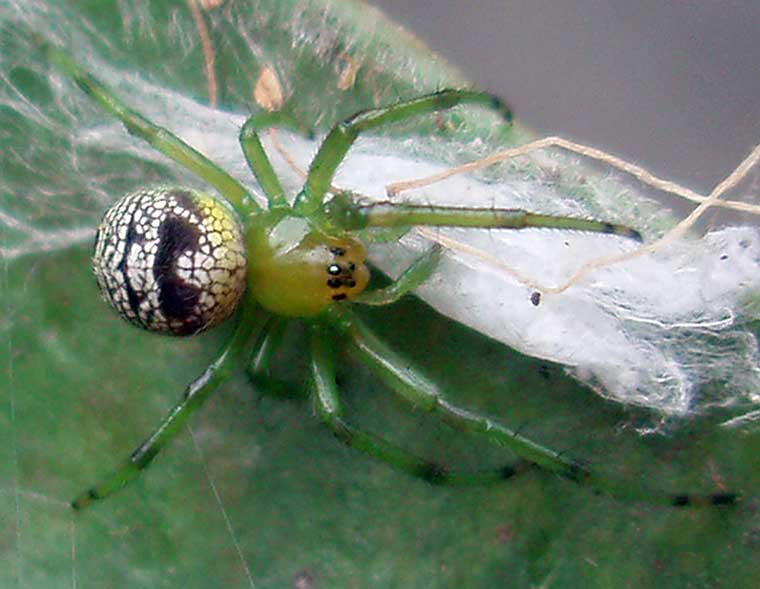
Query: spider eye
170	260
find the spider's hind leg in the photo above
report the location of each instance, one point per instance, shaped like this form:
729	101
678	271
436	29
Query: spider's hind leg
161	139
196	393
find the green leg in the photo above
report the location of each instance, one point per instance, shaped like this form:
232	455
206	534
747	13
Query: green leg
161	139
328	407
256	156
342	136
423	392
267	343
194	396
420	270
387	235
344	214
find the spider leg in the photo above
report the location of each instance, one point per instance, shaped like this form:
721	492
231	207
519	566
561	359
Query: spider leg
348	215
339	140
421	391
256	156
420	270
268	341
328	407
194	396
161	139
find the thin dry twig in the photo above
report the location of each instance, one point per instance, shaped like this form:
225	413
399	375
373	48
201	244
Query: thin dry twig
704	202
209	54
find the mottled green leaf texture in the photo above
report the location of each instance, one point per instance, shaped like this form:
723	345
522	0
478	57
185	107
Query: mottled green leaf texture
256	493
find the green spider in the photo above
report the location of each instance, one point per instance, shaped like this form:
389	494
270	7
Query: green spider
179	261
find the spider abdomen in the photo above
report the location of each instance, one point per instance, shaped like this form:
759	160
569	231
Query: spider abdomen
170	260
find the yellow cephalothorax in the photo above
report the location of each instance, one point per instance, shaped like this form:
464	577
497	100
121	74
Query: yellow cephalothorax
296	271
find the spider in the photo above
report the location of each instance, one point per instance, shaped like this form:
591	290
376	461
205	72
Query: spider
179	261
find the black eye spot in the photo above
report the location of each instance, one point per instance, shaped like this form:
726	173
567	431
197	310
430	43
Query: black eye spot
351	267
350	283
339	297
535	298
334	269
337	251
335	283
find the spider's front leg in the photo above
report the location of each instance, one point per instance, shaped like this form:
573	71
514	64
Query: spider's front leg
342	136
421	391
342	213
329	409
196	393
417	273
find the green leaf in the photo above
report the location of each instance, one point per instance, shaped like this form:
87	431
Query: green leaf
257	493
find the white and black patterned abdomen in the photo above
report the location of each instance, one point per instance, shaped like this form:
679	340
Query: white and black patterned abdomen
170	260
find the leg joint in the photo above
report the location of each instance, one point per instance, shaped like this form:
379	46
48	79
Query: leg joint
349	128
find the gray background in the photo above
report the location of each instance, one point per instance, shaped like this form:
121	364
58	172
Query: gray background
674	86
